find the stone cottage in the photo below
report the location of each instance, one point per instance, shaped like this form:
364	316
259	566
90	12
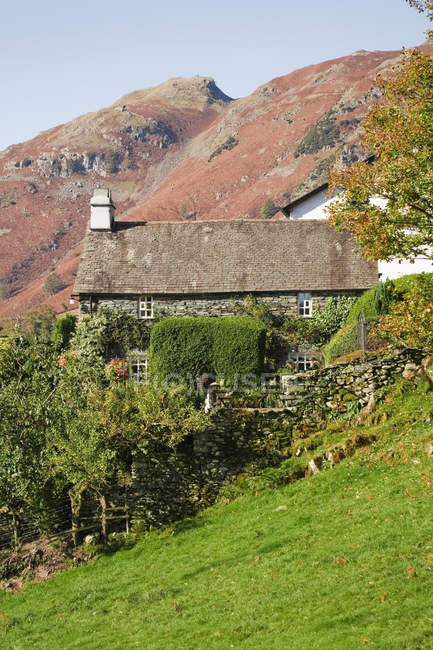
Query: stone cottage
202	268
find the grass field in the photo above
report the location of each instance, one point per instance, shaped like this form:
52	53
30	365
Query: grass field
343	559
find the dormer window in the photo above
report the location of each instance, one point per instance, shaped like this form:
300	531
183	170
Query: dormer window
305	305
145	307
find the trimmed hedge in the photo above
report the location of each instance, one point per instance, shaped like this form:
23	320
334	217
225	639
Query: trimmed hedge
344	341
182	348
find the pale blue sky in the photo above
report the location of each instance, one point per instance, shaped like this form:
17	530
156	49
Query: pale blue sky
61	59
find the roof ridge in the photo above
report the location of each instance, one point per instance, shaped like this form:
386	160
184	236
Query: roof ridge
221	221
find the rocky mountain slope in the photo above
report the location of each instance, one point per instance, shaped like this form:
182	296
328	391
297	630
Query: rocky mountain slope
180	150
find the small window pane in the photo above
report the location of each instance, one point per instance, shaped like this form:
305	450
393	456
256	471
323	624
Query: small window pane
139	370
305	304
145	307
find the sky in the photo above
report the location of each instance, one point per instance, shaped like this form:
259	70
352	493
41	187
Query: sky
60	59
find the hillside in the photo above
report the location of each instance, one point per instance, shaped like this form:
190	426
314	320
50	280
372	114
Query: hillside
180	150
337	560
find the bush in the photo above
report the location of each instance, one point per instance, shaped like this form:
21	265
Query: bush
181	348
410	321
373	303
63	331
107	331
344	342
327	321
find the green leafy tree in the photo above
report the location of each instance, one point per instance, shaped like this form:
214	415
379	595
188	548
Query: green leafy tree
28	376
399	132
423	6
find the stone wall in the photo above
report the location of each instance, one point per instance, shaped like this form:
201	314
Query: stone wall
329	389
279	302
177	485
309	398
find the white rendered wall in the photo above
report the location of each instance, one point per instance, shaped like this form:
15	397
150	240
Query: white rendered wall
396	268
311	208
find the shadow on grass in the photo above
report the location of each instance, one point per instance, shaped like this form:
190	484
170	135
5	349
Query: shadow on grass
117	543
230	562
187	524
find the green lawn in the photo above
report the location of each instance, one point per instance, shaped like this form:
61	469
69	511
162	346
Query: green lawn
347	563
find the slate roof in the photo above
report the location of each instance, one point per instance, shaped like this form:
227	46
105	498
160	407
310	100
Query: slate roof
220	257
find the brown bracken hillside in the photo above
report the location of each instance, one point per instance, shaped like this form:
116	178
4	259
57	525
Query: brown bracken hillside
181	150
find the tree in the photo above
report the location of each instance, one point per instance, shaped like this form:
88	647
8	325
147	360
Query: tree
27	377
399	132
53	284
410	321
423	6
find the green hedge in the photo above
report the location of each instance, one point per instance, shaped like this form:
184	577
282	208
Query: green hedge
181	348
344	341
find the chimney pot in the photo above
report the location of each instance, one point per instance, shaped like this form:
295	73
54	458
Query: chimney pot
101	210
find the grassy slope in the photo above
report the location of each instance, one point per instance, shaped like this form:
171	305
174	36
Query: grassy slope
349	560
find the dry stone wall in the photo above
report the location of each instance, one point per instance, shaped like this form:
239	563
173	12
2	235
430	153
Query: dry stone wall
310	398
178	484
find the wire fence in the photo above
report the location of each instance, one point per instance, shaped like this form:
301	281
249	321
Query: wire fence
59	523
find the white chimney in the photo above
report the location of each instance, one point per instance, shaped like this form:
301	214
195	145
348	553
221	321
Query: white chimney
101	210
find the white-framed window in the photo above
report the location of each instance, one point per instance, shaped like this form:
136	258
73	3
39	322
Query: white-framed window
305	305
145	307
301	360
139	368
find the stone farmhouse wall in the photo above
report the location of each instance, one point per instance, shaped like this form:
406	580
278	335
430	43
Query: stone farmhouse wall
282	303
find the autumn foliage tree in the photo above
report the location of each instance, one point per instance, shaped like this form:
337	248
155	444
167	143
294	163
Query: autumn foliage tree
410	321
423	6
399	132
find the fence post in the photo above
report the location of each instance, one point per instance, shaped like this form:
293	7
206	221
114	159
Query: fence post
75	500
15	537
362	333
103	504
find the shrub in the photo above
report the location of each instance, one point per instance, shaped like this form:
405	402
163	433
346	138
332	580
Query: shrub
344	342
327	321
107	330
181	348
410	321
63	331
238	347
374	302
